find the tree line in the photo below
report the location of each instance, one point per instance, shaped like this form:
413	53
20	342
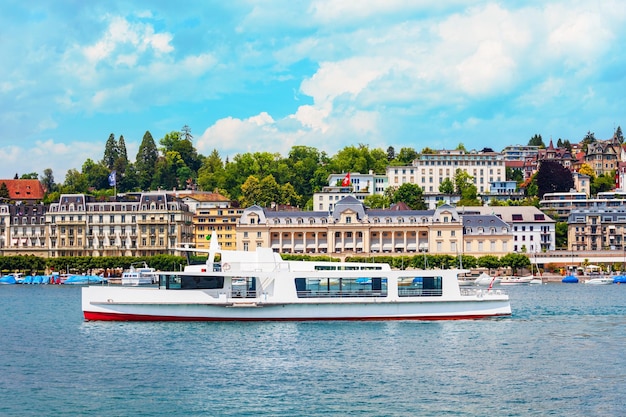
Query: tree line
262	178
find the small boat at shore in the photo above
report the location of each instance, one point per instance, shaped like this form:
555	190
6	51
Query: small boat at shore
570	279
270	288
139	276
599	280
517	280
8	280
84	280
486	280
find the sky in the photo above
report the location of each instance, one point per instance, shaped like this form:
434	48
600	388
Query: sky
264	76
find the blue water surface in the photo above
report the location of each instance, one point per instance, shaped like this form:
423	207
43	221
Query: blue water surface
561	353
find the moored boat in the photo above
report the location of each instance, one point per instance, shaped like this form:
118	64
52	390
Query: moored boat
260	285
8	279
83	280
599	280
570	279
517	280
139	276
486	280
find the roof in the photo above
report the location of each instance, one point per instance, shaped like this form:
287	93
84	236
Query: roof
511	214
24	189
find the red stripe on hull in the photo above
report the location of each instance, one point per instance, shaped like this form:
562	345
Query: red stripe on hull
90	315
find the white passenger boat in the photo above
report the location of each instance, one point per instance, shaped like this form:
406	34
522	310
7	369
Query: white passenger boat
139	276
260	285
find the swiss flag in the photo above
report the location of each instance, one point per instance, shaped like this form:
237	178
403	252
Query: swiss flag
346	181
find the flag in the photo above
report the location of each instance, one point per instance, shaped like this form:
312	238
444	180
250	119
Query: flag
112	179
346	181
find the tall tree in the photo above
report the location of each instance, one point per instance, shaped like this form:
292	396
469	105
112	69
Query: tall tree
4	191
47	180
536	140
174	141
145	162
553	177
211	173
186	133
111	152
391	154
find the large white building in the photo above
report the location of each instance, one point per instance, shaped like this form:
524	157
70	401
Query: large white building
430	170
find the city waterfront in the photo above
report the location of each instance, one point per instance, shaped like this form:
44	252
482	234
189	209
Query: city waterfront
560	353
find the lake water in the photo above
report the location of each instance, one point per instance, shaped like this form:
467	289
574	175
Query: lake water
561	353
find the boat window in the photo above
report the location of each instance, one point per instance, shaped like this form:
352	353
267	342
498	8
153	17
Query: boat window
341	287
419	286
188	282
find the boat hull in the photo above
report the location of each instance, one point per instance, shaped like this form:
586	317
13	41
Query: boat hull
107	303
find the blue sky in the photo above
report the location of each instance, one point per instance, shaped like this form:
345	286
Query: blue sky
250	76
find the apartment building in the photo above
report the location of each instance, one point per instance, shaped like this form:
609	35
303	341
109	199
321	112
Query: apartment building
134	224
430	170
23	229
597	229
532	231
212	211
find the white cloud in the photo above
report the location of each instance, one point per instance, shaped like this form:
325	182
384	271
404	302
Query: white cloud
122	34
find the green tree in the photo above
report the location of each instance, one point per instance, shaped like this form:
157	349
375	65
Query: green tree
536	140
407	156
589	138
250	192
302	162
211	174
411	195
288	195
4	191
111	152
601	183
515	261
96	174
447	186
269	192
30	176
146	160
427	151
561	235
377	201
514	175
175	142
490	262
75	183
391	154
47	180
